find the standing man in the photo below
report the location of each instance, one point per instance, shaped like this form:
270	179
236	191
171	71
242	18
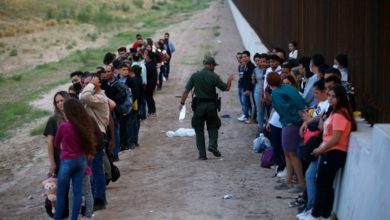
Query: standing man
170	48
205	105
97	105
245	86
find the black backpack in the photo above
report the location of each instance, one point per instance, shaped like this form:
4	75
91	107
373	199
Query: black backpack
125	107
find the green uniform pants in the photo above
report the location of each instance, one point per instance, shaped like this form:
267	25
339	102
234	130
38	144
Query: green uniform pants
206	112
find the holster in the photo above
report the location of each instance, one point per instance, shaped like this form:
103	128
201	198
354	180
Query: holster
195	103
218	104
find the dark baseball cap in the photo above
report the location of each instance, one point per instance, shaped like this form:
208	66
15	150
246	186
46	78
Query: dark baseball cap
209	60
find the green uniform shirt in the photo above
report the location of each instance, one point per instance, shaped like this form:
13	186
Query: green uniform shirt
205	82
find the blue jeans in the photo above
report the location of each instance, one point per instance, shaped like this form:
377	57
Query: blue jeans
260	110
311	175
72	169
98	180
117	147
245	102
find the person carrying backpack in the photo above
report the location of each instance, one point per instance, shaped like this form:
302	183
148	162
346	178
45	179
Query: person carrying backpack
117	93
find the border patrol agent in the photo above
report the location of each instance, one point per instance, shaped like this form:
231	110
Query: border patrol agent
205	104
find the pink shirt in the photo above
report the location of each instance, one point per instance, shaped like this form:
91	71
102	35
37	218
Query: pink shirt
69	141
337	122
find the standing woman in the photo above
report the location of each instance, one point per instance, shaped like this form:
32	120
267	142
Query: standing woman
258	82
332	151
51	129
77	140
288	103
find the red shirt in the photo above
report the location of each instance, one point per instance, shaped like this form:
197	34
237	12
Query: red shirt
69	141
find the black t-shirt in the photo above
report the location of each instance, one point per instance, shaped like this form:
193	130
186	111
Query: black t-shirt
132	84
51	129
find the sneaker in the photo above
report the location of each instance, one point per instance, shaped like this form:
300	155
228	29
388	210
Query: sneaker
282	186
242	118
296	189
303	214
164	79
298	202
250	121
99	204
202	158
215	152
282	174
310	217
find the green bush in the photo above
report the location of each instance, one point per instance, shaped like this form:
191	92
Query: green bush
92	36
16	77
13	52
138	3
50	14
125	7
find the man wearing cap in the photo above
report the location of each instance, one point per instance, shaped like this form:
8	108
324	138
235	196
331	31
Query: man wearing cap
204	105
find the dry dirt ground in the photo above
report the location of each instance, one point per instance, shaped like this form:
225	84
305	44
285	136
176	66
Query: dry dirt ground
162	179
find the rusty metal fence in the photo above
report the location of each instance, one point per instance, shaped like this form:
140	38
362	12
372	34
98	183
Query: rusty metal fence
359	29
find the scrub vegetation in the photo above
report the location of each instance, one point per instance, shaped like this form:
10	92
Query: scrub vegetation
115	23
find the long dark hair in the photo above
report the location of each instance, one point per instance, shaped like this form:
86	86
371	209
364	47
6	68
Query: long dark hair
83	123
343	105
58	114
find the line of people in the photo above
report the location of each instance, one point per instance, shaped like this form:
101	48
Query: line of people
99	116
304	106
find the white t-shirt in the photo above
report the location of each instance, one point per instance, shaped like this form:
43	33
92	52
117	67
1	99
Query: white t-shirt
293	54
269	69
321	108
274	120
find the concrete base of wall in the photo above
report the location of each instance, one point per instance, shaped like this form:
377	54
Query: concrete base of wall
249	38
363	190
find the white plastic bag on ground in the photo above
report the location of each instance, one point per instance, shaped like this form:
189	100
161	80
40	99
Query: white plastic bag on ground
181	132
260	144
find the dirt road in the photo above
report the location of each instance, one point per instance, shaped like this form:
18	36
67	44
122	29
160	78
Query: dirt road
162	179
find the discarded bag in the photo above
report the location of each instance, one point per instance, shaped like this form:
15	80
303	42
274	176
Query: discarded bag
181	132
260	144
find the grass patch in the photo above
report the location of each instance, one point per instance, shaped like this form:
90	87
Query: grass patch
216	31
38	130
14	115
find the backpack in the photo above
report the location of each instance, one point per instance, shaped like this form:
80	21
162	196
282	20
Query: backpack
125	107
267	158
